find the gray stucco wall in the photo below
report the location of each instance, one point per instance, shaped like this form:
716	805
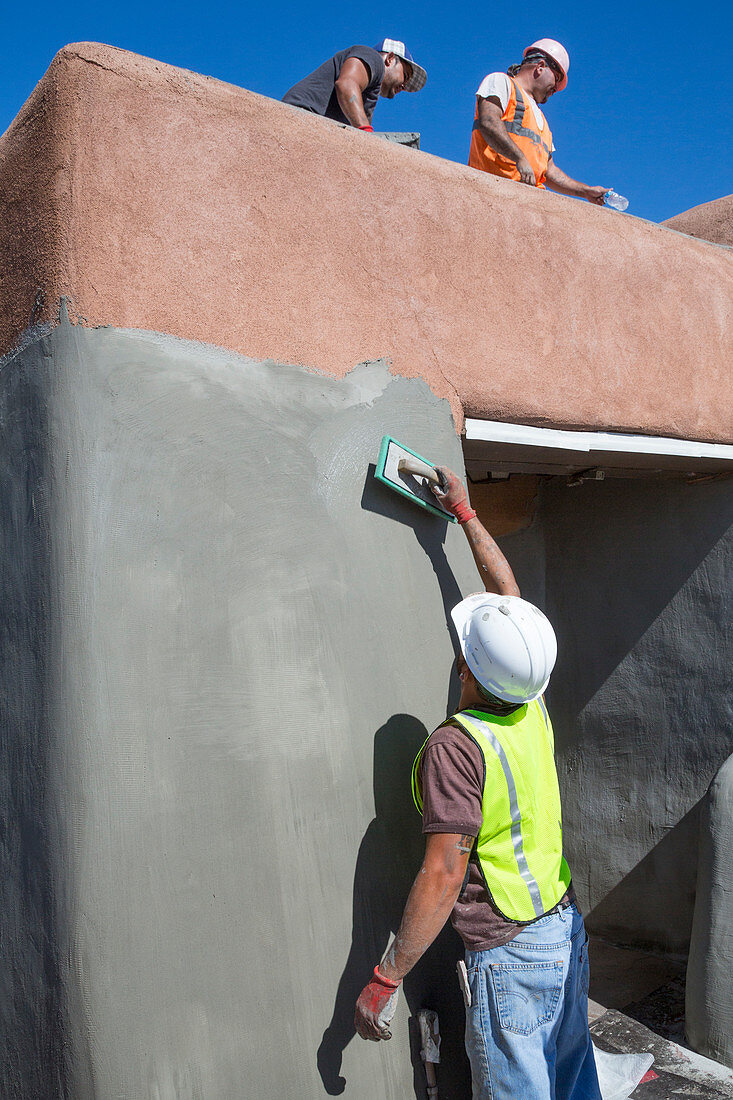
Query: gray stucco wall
637	583
222	645
708	994
31	1031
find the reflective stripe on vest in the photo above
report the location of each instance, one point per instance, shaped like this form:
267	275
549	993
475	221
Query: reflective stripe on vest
515	124
519	121
516	818
519	846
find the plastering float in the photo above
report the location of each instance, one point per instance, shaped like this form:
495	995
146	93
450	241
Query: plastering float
411	475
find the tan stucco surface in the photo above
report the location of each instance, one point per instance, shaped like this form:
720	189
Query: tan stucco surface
713	221
155	198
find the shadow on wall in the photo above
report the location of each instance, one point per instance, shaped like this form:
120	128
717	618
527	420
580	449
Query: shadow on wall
638	588
668	871
389	858
31	1008
430	532
617	553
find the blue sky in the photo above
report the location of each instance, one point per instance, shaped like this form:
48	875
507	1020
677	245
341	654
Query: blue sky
639	113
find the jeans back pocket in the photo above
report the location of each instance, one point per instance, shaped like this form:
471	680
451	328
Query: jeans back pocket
527	994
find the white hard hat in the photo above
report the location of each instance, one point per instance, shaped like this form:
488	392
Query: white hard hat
509	645
557	52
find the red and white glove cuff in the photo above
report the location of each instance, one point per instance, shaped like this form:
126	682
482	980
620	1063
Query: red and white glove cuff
463	511
389	983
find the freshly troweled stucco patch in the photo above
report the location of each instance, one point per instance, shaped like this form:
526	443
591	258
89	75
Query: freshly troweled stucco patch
225	643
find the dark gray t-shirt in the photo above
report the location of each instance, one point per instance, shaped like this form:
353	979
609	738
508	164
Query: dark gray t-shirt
316	92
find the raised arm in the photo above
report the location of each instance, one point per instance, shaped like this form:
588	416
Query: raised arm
350	86
494	570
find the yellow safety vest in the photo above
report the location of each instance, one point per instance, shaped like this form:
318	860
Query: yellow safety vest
519	846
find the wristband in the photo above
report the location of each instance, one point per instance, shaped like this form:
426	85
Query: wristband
463	511
389	982
370	129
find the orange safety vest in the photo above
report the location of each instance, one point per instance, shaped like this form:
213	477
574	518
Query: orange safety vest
519	120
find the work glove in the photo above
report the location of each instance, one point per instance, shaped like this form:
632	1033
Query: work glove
451	494
376	1007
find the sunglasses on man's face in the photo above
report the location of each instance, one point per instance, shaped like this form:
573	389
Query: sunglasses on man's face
556	72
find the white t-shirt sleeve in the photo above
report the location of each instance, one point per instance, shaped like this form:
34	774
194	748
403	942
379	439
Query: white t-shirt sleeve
498	85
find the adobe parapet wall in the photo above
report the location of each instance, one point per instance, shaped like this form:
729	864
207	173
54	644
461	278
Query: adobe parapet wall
154	198
712	221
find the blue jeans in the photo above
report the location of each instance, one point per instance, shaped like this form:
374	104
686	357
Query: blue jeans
527	1027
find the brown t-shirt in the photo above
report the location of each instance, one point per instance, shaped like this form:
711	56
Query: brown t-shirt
451	777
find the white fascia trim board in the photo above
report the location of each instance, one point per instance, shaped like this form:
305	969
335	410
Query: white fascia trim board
495	431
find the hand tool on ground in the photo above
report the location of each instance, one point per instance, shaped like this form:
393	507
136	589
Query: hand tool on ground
430	1053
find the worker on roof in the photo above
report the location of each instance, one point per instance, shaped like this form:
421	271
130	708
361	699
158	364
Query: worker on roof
510	135
486	785
347	86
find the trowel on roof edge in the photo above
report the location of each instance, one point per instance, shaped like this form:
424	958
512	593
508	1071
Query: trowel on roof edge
408	473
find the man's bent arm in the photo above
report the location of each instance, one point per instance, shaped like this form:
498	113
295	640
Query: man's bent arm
495	134
558	181
433	895
351	83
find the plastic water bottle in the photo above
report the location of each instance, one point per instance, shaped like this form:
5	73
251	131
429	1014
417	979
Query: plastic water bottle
615	201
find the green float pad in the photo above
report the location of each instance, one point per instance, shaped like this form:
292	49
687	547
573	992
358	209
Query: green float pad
416	489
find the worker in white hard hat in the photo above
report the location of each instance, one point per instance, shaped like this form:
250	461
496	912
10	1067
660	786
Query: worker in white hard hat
486	784
511	137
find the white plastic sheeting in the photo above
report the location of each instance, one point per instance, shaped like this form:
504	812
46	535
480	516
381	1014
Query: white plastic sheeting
619	1074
